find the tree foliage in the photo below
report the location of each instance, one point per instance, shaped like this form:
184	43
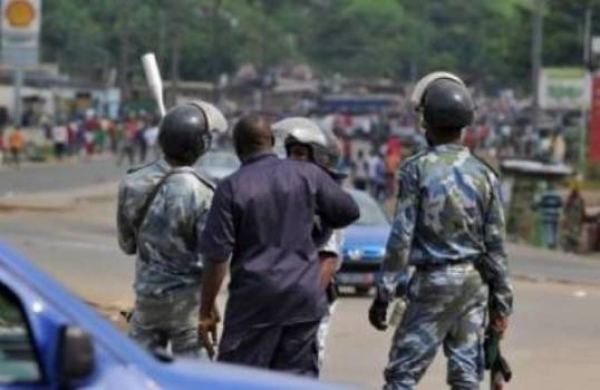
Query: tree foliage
487	41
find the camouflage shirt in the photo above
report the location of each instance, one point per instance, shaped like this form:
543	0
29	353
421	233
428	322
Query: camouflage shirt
166	241
449	210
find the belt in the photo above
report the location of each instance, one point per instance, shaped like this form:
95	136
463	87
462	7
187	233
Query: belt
436	267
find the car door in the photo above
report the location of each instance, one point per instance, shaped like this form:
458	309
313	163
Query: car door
20	363
34	351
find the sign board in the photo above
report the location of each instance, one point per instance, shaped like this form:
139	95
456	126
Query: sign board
20	23
593	139
595	45
564	89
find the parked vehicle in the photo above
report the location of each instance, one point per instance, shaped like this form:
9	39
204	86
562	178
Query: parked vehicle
364	245
49	339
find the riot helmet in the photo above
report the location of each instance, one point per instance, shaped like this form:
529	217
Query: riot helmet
443	101
322	146
298	131
185	132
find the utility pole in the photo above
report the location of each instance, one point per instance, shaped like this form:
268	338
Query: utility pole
176	24
536	61
215	57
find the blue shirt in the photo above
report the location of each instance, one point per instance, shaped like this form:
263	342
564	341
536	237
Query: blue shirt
262	216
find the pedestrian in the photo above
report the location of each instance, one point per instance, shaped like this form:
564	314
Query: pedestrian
127	132
449	226
393	158
162	208
140	141
549	205
305	141
150	137
2	147
574	216
372	162
16	145
60	139
379	183
361	171
262	216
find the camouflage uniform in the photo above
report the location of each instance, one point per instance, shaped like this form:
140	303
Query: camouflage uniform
168	266
449	220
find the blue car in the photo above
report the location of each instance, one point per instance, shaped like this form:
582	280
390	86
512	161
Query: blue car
364	245
49	339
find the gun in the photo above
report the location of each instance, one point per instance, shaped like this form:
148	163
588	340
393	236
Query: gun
500	371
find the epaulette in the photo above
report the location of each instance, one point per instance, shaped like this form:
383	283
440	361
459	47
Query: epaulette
137	168
487	164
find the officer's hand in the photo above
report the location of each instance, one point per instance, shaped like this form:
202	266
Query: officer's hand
378	314
207	330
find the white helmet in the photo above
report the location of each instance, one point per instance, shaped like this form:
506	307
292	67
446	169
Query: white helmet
300	130
324	145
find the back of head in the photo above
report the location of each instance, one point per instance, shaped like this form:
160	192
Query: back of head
444	103
253	134
184	134
447	105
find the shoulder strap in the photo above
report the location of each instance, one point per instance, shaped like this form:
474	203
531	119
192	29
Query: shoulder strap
137	223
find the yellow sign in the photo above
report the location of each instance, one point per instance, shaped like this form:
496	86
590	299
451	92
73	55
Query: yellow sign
20	13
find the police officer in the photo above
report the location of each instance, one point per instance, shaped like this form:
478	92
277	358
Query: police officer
448	225
162	208
263	217
305	141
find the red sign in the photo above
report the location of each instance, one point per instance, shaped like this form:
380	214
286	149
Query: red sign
593	140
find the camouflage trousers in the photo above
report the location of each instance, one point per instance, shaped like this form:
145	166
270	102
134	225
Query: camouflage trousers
167	321
446	306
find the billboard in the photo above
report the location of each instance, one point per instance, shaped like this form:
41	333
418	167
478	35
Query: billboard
20	25
564	89
593	140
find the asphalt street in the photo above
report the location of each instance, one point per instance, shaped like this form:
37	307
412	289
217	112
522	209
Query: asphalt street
553	343
57	176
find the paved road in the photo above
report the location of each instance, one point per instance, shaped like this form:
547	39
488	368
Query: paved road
54	176
554	342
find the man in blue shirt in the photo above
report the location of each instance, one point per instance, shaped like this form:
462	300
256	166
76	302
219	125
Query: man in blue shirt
262	217
549	205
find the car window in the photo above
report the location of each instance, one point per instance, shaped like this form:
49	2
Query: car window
18	360
371	213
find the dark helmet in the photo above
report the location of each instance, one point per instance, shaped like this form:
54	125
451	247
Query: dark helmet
186	130
443	101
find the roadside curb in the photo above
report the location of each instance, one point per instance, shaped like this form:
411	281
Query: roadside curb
552	280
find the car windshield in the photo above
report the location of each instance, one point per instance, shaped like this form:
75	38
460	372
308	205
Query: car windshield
219	159
371	213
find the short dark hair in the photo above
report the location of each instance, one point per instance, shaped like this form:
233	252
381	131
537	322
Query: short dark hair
252	134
